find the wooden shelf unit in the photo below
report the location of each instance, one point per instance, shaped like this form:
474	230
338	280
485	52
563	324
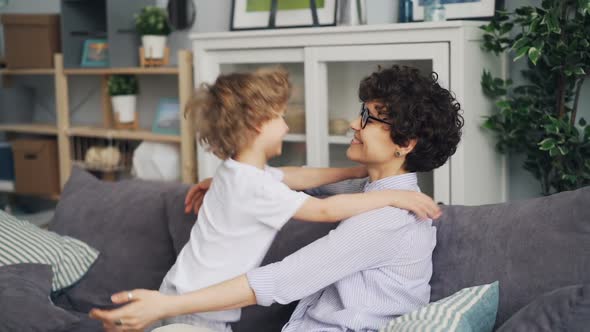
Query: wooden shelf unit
39	129
65	132
123	71
32	71
137	135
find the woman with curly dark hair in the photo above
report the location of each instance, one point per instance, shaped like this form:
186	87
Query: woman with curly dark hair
423	119
374	266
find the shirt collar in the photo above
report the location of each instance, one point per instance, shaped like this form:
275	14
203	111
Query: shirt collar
404	181
232	163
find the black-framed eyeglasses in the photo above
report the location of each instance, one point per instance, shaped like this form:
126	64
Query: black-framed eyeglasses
366	115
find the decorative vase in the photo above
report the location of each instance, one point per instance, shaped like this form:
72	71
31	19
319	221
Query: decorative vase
125	107
435	12
295	119
406	11
352	12
153	46
338	127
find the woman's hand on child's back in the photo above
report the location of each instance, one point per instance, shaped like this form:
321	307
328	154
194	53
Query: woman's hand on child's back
420	204
194	197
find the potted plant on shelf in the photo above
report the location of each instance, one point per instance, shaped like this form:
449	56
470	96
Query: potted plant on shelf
152	24
123	90
539	117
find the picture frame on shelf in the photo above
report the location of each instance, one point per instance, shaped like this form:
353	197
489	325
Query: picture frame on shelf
95	53
461	9
257	14
167	119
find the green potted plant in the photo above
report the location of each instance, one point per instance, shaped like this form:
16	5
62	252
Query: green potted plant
123	90
152	24
539	118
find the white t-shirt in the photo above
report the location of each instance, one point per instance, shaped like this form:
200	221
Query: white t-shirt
240	216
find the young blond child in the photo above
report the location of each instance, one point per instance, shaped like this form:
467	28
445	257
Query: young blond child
240	119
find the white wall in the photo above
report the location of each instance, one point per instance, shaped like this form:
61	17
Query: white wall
213	16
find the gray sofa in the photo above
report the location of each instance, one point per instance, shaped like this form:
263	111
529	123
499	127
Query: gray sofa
531	247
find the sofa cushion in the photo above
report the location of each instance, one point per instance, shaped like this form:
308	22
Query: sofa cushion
24	299
126	221
564	309
469	310
530	247
23	242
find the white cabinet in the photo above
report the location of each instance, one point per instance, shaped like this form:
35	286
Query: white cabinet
326	66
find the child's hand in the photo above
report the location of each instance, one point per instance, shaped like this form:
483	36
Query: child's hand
194	197
420	204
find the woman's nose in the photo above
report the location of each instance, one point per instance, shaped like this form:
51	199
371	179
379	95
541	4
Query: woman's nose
356	124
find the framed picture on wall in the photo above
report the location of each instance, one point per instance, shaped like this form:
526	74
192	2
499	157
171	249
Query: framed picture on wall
95	53
167	120
461	9
256	14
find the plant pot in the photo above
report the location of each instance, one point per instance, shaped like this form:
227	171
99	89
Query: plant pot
153	46
124	107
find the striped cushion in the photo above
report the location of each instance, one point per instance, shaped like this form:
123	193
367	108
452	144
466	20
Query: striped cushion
23	242
469	310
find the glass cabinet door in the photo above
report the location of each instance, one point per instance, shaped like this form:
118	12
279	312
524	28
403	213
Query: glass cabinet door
333	75
216	63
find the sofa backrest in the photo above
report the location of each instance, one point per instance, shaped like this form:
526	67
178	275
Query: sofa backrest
530	247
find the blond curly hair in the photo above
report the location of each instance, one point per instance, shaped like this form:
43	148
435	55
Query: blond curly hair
227	113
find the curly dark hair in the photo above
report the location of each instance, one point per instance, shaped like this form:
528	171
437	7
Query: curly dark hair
418	108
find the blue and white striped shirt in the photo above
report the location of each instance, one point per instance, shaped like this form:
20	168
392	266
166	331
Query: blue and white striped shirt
372	268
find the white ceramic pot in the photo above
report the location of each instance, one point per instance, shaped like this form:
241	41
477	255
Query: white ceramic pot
124	106
153	46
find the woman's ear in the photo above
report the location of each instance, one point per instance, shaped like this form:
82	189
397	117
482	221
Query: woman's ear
405	150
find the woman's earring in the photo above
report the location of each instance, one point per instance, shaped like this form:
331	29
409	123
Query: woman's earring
397	154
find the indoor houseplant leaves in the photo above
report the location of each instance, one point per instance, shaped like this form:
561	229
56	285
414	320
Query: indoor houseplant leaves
539	118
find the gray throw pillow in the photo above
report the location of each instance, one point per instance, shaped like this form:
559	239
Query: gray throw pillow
531	247
564	309
24	300
126	221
